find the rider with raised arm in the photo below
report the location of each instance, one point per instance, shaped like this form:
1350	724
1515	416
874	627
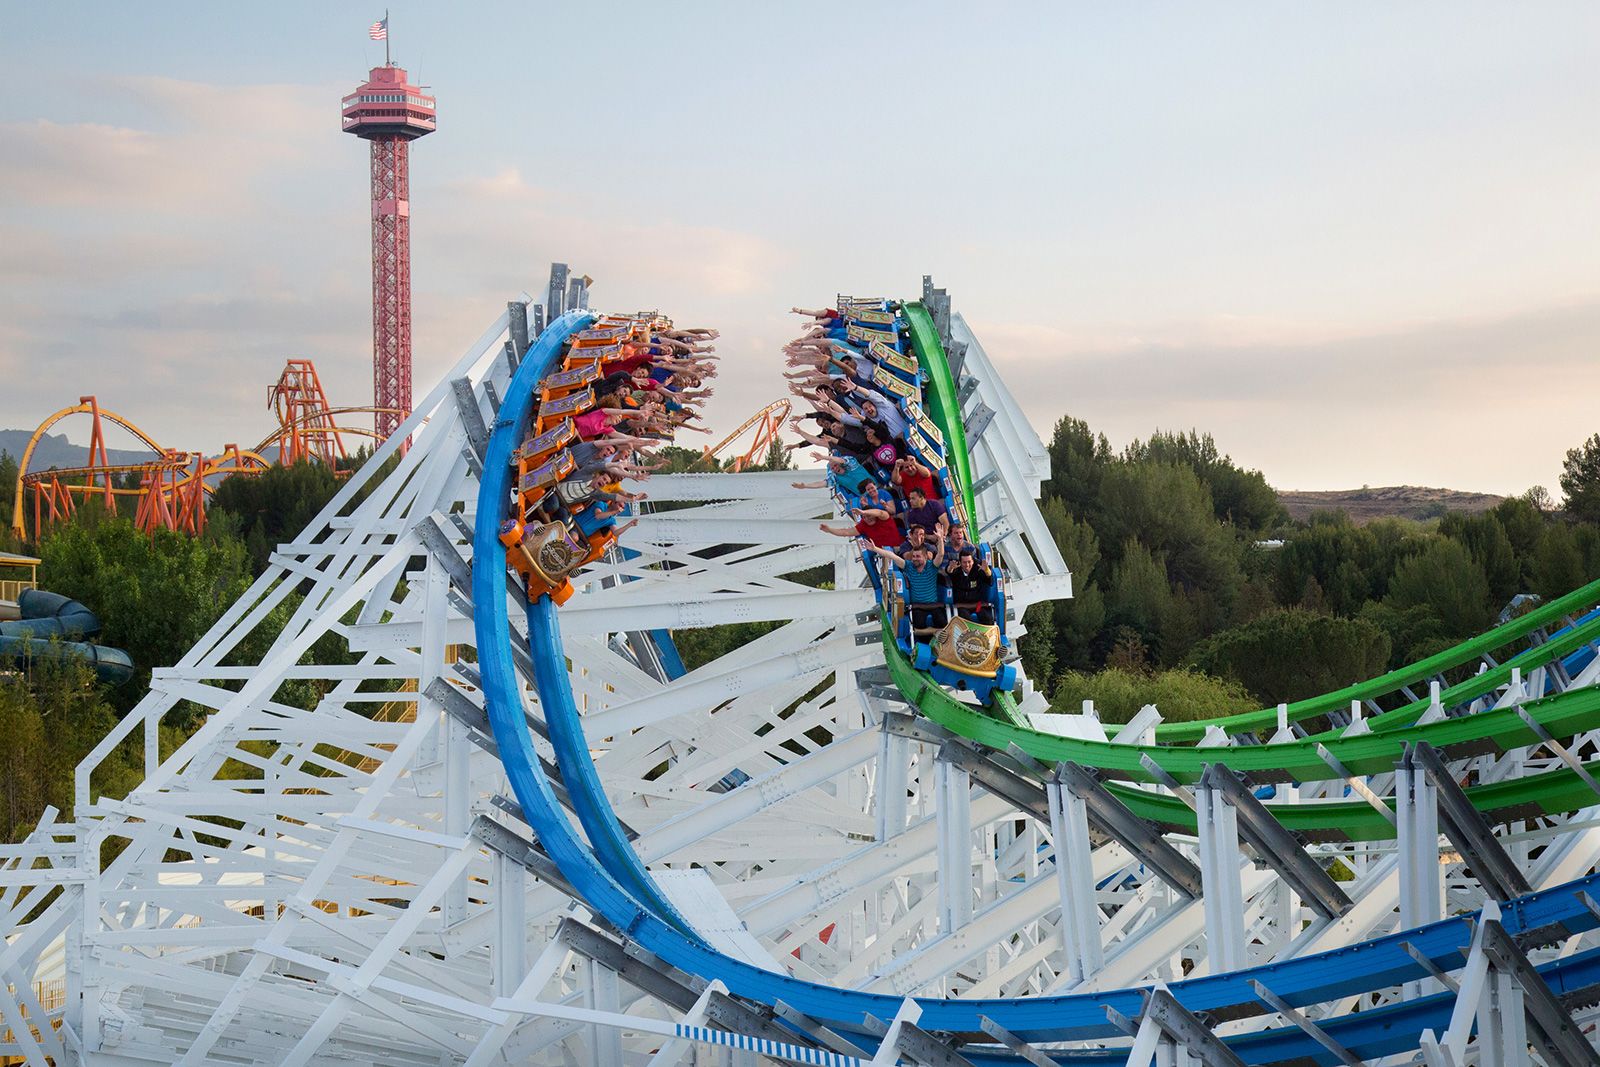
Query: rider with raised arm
874	517
971	580
910	473
922	587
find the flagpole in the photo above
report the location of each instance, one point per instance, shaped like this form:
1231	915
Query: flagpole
386	61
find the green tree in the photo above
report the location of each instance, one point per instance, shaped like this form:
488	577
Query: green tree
1078	459
776	458
1415	632
1558	565
274	506
1037	647
1238	496
1166	507
155	594
1340	557
1491	550
680	459
8	482
1444	577
1523	521
1139	594
700	646
1180	695
1580	481
1291	654
1075	623
52	713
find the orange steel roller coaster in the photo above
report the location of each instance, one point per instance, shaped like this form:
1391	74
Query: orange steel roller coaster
767	423
173	484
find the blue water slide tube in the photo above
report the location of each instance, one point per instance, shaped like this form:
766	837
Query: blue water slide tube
47	616
613	882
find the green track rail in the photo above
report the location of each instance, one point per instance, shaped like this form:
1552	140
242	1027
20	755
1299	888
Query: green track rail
942	406
1549	793
945	411
946	414
1554	611
1498	730
1373	752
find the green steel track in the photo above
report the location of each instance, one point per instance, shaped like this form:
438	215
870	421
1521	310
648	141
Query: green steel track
1375	751
1467	652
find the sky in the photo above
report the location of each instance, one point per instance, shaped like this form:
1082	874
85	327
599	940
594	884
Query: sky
1357	243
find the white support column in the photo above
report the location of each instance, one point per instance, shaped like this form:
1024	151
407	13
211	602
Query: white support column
953	798
604	993
509	951
1421	884
83	1011
1080	913
1502	1021
1219	873
1474	980
458	793
451	741
894	758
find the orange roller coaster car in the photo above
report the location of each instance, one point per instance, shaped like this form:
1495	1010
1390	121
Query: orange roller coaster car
173	485
766	423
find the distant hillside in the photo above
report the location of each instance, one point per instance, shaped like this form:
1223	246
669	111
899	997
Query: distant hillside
56	451
1390	501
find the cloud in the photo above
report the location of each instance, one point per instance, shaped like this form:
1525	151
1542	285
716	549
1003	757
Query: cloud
256	313
491	221
1444	402
199	148
163	263
37	256
171	259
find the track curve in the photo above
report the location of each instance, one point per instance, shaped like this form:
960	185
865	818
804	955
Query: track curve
617	886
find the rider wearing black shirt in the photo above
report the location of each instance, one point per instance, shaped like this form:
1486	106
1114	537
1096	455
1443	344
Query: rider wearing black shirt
970	581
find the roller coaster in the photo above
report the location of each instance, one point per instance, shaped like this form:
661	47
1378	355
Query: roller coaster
764	428
818	849
172	487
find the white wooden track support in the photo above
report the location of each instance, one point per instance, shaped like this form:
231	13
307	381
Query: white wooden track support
330	869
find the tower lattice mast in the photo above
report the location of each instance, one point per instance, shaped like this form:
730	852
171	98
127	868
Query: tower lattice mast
390	113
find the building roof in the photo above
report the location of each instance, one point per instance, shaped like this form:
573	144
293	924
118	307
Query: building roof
11	559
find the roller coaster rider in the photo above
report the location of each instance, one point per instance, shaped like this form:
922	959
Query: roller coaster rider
927	511
970	581
922	578
875	519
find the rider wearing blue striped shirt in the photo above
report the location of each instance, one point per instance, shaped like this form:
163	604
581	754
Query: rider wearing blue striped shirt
922	587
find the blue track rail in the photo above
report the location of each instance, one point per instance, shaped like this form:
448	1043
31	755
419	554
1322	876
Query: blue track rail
606	872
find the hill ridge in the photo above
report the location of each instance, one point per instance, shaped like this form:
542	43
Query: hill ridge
1385	501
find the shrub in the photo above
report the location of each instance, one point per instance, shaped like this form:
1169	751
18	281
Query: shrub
1181	695
1291	654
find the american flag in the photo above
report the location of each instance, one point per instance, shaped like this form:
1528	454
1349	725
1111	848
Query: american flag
380	29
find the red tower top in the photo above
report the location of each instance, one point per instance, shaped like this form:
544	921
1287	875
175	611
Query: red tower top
388	112
388	105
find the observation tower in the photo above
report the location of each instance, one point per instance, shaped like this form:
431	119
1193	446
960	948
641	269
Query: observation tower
390	112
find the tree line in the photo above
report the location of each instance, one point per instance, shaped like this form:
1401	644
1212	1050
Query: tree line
1190	580
1183	595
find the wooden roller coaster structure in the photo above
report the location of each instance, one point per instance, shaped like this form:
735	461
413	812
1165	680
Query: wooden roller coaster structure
173	485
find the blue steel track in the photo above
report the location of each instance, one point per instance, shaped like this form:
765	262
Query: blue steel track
615	885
